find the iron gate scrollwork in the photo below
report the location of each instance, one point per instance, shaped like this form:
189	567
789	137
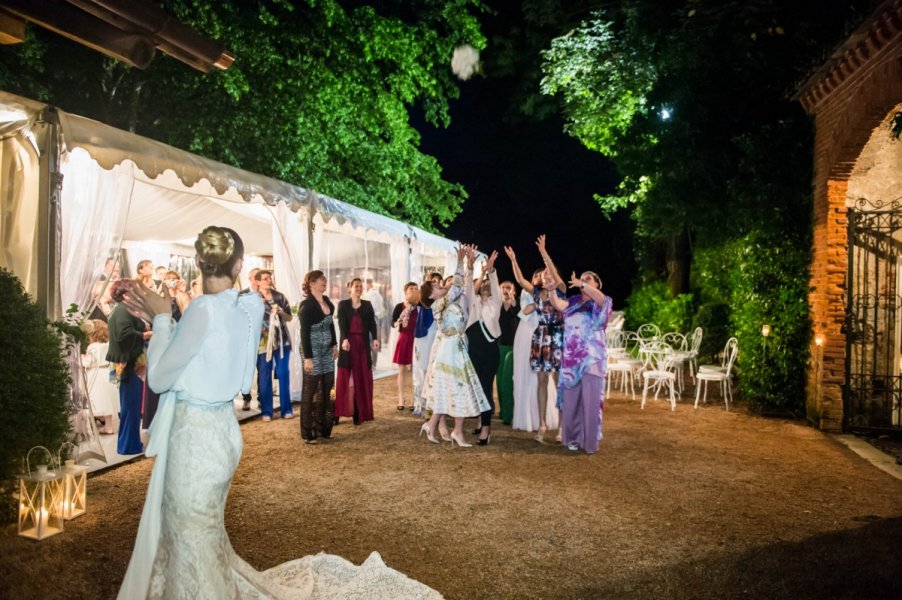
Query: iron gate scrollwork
872	395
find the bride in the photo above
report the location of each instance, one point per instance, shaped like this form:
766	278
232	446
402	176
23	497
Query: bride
199	365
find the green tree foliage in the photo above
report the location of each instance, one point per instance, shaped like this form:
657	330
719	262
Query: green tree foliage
653	303
691	99
318	95
600	98
33	384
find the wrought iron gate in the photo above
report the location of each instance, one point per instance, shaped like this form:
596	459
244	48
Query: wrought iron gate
872	395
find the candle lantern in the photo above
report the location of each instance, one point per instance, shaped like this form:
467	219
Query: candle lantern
40	496
75	485
765	330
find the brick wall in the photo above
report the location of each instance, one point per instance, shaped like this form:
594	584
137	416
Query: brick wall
859	94
828	271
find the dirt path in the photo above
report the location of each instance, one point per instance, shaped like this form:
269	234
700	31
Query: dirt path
692	504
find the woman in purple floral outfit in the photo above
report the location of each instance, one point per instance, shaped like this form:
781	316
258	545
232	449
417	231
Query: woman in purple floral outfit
584	361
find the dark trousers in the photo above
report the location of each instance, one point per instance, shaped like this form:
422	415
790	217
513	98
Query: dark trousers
317	406
485	358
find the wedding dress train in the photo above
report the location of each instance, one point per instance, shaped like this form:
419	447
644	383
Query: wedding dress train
182	549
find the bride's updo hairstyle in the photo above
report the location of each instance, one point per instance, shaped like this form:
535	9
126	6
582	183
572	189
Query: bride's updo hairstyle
218	249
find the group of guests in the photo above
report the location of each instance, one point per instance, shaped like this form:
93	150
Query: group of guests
114	359
459	339
475	334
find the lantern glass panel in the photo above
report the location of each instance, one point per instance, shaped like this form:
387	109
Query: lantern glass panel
74	496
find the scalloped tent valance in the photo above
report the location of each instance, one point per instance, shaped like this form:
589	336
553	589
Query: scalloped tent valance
109	147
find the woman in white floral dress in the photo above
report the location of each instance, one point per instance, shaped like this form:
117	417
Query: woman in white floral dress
452	387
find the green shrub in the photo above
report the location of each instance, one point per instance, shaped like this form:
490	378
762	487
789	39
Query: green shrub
714	319
770	286
33	385
653	303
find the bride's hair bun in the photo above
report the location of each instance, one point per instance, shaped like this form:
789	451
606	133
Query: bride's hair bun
216	245
217	250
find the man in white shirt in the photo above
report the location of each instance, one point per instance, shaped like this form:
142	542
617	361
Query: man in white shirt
483	331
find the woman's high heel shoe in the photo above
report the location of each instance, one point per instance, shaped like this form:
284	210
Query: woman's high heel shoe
485	441
444	436
460	442
429	436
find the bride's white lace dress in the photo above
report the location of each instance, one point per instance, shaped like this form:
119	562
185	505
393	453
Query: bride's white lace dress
182	549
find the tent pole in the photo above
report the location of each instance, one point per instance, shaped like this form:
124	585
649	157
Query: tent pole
311	227
50	183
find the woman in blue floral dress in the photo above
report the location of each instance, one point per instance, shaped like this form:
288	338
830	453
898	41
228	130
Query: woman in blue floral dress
548	338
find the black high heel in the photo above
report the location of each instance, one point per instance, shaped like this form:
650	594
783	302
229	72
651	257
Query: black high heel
485	441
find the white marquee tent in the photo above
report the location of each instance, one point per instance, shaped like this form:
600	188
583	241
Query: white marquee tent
74	193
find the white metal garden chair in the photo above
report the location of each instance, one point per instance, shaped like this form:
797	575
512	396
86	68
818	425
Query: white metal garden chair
695	342
721	377
659	371
723	358
680	346
621	360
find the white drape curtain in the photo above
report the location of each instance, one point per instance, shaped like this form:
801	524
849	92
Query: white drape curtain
94	207
290	235
450	263
19	215
416	262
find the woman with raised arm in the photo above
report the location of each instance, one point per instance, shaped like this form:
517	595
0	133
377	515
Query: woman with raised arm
452	386
526	407
581	395
547	339
483	331
357	334
199	365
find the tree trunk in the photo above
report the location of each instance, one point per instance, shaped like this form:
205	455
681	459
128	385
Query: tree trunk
677	259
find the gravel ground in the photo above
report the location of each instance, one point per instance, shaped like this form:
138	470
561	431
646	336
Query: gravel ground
688	504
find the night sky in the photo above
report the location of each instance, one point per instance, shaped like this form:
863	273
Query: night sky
529	178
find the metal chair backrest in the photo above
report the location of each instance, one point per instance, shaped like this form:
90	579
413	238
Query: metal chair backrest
657	356
614	339
631	341
696	340
730	352
675	340
649	331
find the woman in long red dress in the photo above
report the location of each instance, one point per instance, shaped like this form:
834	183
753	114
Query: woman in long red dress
404	317
356	334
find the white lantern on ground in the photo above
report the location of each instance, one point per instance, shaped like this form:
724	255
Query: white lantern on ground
74	501
40	494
